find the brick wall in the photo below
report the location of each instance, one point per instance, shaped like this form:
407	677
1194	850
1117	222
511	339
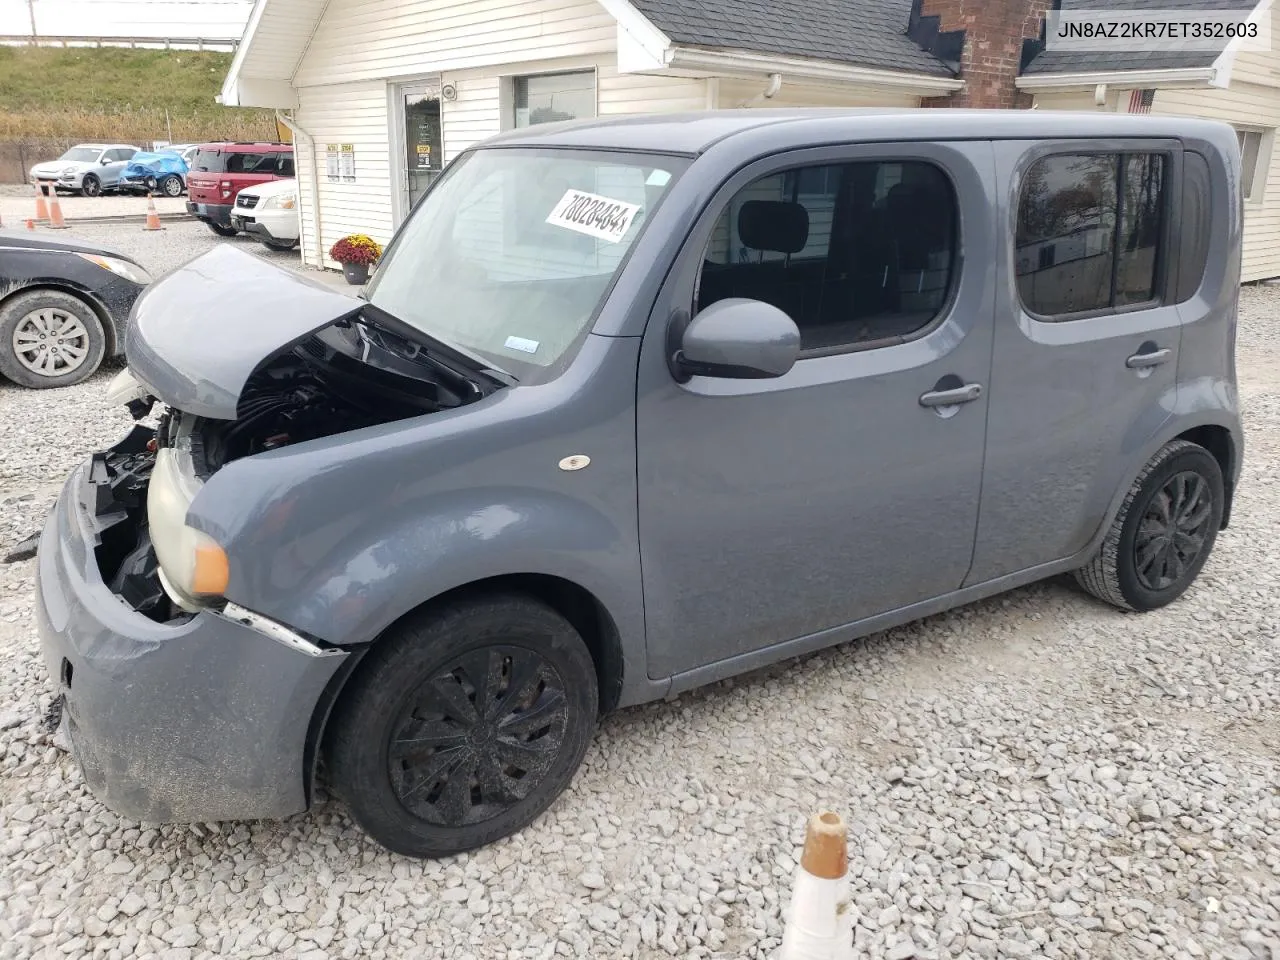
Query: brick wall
993	35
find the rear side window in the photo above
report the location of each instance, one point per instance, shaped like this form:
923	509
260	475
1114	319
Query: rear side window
1090	232
284	164
251	163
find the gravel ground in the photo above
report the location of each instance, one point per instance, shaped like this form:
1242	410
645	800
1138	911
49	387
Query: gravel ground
1035	775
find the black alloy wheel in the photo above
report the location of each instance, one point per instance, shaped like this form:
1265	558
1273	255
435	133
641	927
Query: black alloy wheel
1173	530
462	724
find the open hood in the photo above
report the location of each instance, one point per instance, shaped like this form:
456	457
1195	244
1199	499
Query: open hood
197	335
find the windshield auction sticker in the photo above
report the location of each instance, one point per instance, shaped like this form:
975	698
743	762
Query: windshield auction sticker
594	215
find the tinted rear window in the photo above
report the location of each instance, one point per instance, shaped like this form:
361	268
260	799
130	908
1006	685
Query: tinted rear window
210	161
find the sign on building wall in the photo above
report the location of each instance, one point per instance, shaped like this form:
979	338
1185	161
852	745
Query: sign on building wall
340	162
331	162
348	163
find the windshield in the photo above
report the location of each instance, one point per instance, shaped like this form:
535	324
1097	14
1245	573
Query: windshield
511	254
81	154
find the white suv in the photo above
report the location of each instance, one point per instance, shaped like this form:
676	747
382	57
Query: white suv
269	212
87	168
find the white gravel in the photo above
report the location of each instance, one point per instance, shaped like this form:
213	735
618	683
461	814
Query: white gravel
1032	776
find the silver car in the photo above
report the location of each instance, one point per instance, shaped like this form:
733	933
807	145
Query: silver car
87	168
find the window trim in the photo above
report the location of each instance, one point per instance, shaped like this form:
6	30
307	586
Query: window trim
899	152
1166	278
1257	188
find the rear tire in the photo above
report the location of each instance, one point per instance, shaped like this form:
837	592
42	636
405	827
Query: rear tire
171	186
463	725
49	339
1163	534
223	231
279	247
91	186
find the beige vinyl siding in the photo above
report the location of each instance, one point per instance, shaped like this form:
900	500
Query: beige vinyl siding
1260	66
474	116
360	39
734	93
278	40
623	93
1253	106
354	113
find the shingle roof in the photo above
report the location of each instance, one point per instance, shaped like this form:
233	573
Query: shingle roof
1055	61
866	33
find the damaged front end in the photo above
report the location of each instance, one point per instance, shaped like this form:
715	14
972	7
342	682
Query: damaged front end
308	364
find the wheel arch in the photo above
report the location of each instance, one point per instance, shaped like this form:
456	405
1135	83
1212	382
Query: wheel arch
109	332
1218	441
584	611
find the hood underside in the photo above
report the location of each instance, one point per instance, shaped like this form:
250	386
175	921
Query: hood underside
197	335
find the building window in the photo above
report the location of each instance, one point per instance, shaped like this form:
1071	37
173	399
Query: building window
548	97
1089	232
1253	159
857	254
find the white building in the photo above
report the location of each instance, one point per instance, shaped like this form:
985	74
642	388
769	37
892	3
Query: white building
408	84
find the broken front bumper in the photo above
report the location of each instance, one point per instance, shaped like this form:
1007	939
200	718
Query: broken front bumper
198	719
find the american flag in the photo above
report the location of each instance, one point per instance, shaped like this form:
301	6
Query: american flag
1140	101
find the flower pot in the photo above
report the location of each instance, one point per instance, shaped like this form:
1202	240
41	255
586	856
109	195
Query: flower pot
356	273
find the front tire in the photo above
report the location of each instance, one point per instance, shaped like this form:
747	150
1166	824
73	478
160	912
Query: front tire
223	231
463	725
91	186
49	339
1163	534
279	247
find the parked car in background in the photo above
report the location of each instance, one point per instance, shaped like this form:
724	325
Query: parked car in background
63	307
187	151
163	172
221	170
631	406
87	168
269	212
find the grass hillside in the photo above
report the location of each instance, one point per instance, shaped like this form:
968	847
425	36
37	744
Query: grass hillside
119	94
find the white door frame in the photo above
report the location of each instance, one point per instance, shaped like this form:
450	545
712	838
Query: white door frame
396	92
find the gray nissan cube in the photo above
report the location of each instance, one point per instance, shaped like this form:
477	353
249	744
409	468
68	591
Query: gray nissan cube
631	406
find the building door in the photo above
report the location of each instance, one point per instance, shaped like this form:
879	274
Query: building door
424	145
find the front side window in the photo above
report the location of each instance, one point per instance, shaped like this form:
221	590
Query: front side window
854	253
550	97
1089	232
511	253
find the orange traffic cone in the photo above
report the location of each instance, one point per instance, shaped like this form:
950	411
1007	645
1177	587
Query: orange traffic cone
42	209
153	218
819	923
55	214
31	224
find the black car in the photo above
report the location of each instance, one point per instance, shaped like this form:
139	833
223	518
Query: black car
63	307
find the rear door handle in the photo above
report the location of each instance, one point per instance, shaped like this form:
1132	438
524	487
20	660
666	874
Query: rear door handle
1142	361
947	398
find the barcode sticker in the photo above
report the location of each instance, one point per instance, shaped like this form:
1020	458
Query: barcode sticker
594	215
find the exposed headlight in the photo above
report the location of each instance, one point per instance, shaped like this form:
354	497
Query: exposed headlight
193	567
121	268
283	202
66	171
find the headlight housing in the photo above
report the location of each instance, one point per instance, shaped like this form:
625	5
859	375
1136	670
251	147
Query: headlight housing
193	566
121	268
68	170
281	202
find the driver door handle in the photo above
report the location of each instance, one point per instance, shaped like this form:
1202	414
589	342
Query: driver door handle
1140	361
946	398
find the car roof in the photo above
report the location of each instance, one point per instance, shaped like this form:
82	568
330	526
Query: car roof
693	133
244	146
107	146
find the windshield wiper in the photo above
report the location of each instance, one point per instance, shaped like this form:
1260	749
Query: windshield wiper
448	354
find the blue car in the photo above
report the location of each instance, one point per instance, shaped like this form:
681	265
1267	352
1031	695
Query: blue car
164	173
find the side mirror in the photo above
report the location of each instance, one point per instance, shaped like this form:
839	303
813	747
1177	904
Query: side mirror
736	339
104	161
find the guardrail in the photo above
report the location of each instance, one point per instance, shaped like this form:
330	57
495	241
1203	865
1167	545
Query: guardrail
142	43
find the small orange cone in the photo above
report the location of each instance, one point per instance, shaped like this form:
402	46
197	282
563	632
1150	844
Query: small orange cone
42	209
31	224
55	214
153	218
